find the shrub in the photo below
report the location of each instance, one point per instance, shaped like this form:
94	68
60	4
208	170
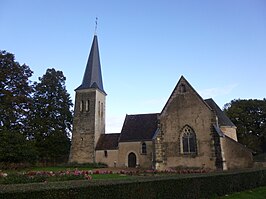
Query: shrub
14	166
189	186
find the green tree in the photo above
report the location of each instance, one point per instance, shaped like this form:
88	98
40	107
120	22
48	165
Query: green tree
250	118
15	103
52	117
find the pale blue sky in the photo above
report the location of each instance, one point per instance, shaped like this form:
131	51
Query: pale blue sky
145	46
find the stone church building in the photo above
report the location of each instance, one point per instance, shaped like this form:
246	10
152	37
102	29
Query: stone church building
188	132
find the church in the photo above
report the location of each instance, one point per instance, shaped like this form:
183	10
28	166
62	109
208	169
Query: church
188	132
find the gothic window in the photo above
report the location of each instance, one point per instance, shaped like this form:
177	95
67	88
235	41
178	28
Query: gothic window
189	145
81	106
88	105
143	148
182	88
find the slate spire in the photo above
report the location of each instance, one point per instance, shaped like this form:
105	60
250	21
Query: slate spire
93	76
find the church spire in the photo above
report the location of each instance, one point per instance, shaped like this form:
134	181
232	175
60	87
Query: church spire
93	76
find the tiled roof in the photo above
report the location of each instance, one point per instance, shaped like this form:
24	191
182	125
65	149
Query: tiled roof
139	127
223	120
108	141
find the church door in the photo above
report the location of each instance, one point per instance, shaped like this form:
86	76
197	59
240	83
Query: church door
132	160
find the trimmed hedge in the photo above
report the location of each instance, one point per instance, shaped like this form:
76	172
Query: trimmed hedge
174	186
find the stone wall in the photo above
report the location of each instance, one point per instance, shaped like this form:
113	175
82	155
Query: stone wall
229	131
81	150
110	157
143	160
235	155
88	124
186	108
99	115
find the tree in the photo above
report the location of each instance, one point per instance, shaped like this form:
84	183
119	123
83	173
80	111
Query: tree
250	118
15	103
52	117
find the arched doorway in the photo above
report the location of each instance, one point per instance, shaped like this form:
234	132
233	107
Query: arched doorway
132	160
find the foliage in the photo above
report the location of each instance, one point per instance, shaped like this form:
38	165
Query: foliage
15	104
200	186
15	148
51	118
35	119
260	157
249	116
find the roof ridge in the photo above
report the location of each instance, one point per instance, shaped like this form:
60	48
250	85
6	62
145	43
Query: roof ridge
143	114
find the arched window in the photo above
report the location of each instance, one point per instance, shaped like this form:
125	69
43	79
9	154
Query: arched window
88	105
189	144
105	153
81	106
101	110
143	148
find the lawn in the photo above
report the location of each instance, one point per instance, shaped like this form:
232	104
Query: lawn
257	193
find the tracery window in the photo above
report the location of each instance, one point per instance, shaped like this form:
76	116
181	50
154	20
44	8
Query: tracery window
189	144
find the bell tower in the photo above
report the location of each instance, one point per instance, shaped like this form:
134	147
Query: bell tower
89	110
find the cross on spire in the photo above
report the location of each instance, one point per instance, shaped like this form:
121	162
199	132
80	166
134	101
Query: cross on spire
96	24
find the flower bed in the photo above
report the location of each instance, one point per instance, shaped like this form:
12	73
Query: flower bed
76	174
43	176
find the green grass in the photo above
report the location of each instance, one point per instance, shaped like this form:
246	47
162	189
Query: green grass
257	193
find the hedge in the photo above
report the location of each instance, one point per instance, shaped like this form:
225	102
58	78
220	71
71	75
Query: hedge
173	186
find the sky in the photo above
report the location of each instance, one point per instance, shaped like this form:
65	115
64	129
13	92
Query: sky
145	47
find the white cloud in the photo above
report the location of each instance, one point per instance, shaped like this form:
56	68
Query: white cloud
219	91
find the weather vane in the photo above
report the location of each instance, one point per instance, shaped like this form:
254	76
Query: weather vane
96	24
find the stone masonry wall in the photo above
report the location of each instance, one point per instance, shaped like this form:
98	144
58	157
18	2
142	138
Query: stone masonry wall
185	107
143	160
111	159
235	155
88	124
